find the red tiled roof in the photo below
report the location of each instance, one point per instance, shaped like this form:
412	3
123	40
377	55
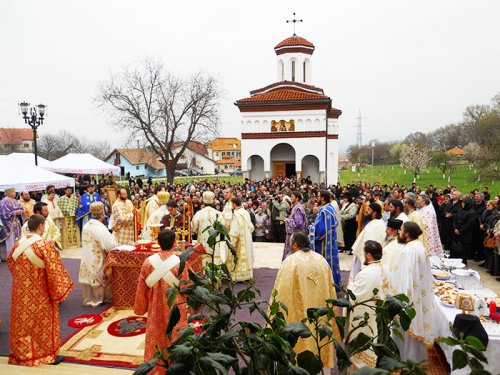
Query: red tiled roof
455	151
15	136
138	156
294	40
194	146
283	95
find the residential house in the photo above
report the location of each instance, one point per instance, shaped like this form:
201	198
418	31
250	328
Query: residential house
137	162
16	140
142	162
226	152
195	156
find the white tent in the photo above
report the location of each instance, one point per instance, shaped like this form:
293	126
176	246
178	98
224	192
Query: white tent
27	176
29	157
82	164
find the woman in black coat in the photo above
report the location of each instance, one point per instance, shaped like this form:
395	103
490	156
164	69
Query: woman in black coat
463	227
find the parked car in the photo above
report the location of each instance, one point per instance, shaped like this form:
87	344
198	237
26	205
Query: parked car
196	172
181	173
236	172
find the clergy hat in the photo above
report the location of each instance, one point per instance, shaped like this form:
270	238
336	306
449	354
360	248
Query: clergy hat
208	197
470	325
163	196
394	224
10	189
97	209
376	208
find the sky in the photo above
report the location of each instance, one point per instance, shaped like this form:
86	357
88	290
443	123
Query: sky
406	65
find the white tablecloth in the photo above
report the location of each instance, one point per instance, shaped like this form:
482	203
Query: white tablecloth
445	316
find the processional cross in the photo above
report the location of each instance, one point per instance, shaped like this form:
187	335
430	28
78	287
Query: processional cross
294	21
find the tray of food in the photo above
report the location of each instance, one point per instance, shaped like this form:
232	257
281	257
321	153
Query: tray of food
441	274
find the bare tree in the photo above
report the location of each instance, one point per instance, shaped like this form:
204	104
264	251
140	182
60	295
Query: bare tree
163	109
54	146
415	158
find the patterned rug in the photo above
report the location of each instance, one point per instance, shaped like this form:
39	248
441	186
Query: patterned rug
95	345
84	320
128	327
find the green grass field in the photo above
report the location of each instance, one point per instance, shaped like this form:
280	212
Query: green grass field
463	178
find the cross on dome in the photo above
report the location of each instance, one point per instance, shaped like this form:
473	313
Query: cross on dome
294	21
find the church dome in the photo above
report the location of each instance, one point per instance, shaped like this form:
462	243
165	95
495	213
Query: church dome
294	43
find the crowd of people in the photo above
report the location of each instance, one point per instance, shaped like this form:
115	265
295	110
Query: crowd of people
390	231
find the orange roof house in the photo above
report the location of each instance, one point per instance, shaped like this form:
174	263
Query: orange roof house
456	151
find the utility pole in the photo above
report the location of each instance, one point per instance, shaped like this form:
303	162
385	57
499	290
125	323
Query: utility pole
359	133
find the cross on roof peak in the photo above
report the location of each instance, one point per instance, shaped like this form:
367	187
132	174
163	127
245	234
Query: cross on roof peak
294	21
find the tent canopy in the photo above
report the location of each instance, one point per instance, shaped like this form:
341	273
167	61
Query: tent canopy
27	176
82	164
29	157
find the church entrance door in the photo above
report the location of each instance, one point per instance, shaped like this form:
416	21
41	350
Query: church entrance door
290	170
283	160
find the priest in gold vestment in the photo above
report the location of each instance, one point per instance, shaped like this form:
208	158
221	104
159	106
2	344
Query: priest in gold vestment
39	283
305	280
51	232
27	203
122	220
68	204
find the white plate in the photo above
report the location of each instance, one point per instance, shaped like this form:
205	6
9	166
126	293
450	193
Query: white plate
461	272
455	265
447	304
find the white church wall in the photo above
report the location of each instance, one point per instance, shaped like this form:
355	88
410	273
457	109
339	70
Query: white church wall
260	122
284	67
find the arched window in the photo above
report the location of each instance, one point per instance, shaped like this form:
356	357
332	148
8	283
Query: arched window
293	71
282	66
304	68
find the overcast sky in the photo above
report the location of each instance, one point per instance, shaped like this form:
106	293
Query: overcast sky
408	65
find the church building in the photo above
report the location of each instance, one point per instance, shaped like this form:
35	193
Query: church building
290	127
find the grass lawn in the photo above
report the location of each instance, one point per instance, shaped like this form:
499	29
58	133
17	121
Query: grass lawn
463	178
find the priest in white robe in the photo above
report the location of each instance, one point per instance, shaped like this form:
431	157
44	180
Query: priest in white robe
96	242
431	230
240	235
227	211
203	219
413	278
155	218
152	204
393	248
374	230
374	275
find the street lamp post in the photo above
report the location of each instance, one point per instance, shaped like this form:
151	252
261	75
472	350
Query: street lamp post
373	152
34	120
